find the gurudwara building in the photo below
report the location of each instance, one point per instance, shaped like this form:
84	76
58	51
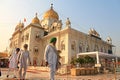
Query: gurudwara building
70	41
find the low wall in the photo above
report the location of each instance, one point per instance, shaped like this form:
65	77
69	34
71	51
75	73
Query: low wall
83	71
63	70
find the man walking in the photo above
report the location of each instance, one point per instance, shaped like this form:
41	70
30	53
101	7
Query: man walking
23	62
51	58
13	62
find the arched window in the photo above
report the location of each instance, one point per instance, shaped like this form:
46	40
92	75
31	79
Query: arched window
87	48
80	47
62	45
101	49
96	48
73	45
27	36
36	49
22	38
35	61
37	36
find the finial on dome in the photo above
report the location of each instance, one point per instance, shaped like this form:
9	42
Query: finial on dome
35	19
51	5
51	14
36	14
109	40
20	22
68	23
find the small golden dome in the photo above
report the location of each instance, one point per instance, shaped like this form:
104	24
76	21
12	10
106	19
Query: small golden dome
19	25
51	14
36	20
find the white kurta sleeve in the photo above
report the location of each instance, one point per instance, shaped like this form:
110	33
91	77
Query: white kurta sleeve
46	53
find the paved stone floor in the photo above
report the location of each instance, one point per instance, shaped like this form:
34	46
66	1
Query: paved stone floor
34	74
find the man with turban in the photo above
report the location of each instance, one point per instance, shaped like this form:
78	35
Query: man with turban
51	57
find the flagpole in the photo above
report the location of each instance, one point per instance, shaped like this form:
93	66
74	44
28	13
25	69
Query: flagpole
24	21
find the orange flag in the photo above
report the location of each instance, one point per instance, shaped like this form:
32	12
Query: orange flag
24	19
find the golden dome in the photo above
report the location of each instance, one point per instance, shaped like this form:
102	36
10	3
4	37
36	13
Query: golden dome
36	20
51	14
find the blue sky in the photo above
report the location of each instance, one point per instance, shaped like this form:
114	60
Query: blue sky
102	15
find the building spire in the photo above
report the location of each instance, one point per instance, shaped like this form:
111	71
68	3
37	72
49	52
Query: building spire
68	23
36	14
51	5
19	21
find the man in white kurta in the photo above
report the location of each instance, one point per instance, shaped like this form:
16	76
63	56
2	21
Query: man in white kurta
51	57
24	56
13	62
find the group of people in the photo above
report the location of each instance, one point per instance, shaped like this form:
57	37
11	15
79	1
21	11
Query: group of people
17	59
20	57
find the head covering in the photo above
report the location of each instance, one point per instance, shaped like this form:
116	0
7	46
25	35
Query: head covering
53	40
